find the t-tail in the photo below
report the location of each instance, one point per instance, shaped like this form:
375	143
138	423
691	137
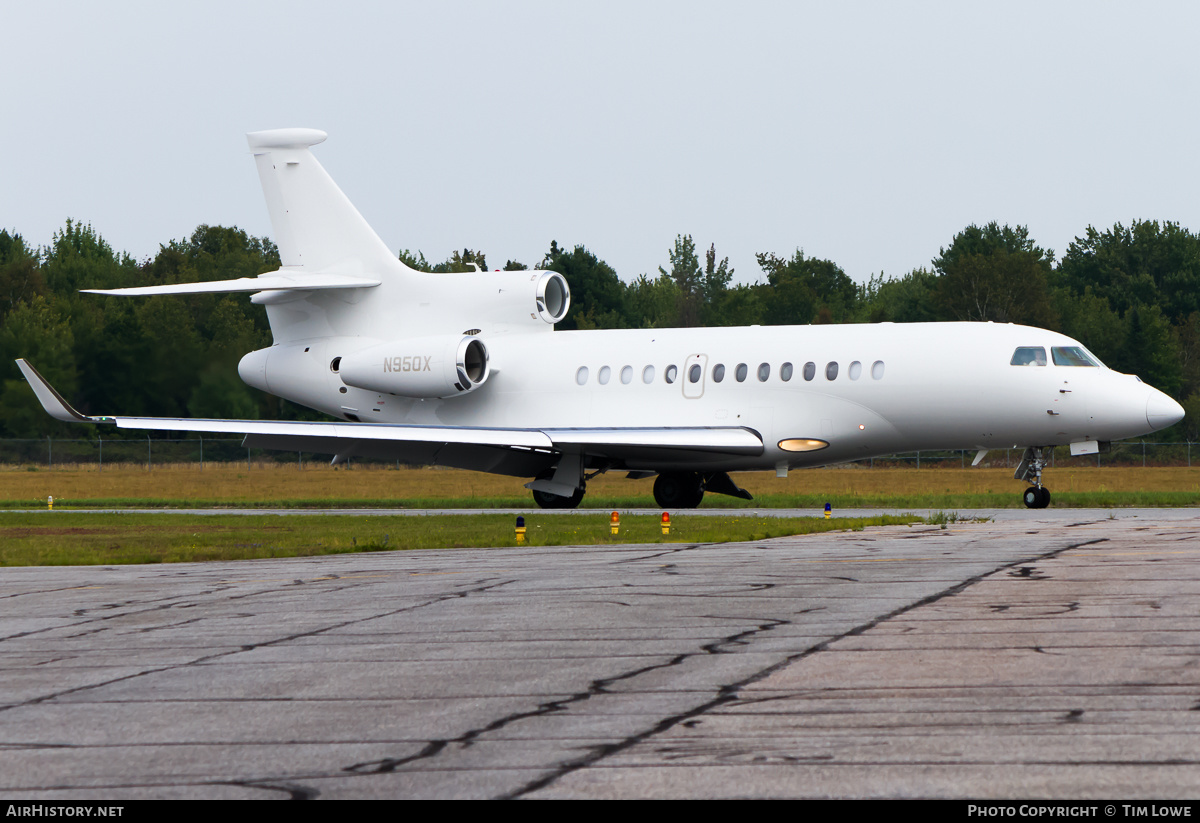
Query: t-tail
345	311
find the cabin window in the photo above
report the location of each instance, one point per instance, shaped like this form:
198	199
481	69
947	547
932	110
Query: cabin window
648	375
740	372
831	371
694	373
810	370
1028	356
877	370
605	373
581	375
785	372
670	374
627	375
764	371
718	372
855	370
1071	356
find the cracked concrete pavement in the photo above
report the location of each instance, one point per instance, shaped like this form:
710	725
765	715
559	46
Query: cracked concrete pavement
1054	657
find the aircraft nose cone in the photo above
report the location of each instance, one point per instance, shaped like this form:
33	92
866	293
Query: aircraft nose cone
1162	411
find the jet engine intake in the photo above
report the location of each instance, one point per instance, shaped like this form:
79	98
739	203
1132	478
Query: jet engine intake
421	367
553	297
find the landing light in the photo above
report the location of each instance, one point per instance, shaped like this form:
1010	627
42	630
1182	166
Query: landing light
800	444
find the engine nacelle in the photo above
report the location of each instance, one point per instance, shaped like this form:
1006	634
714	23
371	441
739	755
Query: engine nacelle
445	366
552	297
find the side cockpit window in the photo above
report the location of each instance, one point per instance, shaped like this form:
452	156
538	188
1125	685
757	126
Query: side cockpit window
1072	356
1028	356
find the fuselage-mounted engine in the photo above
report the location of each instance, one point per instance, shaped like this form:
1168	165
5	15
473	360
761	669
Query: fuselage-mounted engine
444	366
553	297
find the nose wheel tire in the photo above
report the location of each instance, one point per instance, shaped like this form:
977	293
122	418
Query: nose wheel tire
1037	497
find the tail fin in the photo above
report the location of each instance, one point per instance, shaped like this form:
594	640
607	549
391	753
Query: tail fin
316	226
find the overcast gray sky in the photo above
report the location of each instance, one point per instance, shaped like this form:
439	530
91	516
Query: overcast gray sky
868	133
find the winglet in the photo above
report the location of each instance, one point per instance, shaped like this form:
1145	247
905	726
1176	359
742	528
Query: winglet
51	400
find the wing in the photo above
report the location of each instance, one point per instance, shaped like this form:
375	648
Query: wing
517	452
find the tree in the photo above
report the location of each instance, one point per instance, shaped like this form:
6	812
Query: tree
1187	342
1091	321
1150	351
461	262
78	258
716	287
20	275
987	241
38	331
908	299
596	291
799	288
652	304
1146	263
417	261
995	273
689	280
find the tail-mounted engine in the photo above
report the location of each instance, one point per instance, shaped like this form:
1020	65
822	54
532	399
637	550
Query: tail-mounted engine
445	366
553	297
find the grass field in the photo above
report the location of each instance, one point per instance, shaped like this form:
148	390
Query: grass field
78	538
318	485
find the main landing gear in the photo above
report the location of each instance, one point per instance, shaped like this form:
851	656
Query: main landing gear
1033	461
547	500
678	490
672	490
685	490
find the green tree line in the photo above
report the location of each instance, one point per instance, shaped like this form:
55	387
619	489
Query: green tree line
1131	294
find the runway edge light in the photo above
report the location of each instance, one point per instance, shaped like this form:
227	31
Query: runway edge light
615	522
666	523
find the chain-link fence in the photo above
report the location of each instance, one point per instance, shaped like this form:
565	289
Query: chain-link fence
149	452
1120	453
55	452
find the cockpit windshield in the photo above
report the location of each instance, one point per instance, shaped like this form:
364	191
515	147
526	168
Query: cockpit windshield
1072	356
1029	356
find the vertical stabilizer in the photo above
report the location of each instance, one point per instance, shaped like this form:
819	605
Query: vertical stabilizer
316	226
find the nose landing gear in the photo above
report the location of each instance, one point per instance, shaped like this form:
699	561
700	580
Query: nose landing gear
1033	461
1037	497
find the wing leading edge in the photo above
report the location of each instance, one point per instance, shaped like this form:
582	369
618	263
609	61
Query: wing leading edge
519	452
273	281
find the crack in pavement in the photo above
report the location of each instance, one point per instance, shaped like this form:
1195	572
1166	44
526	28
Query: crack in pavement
728	693
596	687
251	646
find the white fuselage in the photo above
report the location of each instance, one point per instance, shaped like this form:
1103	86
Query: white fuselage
898	387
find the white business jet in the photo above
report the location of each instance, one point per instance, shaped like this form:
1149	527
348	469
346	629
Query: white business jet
466	370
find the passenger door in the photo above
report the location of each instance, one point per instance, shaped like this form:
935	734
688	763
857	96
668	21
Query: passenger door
693	377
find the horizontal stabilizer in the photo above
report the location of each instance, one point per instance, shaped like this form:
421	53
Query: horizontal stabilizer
264	282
